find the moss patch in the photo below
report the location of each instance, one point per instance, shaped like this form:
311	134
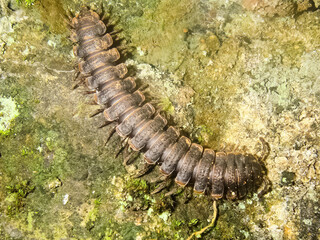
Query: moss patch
16	195
27	3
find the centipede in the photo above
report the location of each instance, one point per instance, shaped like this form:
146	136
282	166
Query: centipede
229	175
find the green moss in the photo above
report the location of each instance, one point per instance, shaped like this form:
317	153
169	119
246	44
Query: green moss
125	231
27	3
193	222
163	204
205	134
54	149
166	105
138	186
16	195
30	220
93	214
177	223
137	195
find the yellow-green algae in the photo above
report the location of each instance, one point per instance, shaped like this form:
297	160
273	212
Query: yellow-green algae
27	3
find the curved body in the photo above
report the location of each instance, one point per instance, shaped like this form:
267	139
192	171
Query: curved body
230	175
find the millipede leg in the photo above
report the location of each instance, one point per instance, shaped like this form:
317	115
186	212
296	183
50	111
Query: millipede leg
92	102
146	168
129	157
122	146
76	74
159	179
114	32
69	15
176	189
89	92
67	18
100	11
104	17
265	149
106	123
164	184
114	22
213	222
76	68
96	112
79	80
110	135
143	87
264	188
122	48
67	21
161	186
77	84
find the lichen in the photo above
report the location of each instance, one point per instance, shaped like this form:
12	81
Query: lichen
8	112
227	72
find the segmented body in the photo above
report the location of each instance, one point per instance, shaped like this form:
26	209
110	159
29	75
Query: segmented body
230	175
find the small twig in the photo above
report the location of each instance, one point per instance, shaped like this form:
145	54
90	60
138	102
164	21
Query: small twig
213	221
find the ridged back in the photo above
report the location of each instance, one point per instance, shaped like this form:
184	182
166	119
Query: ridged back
222	174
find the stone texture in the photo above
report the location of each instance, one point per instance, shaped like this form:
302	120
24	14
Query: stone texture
228	72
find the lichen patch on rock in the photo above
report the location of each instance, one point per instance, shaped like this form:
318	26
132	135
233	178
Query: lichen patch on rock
8	112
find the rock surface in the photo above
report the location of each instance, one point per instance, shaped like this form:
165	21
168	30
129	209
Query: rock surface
228	72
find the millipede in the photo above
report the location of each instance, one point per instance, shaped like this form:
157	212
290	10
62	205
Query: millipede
229	175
